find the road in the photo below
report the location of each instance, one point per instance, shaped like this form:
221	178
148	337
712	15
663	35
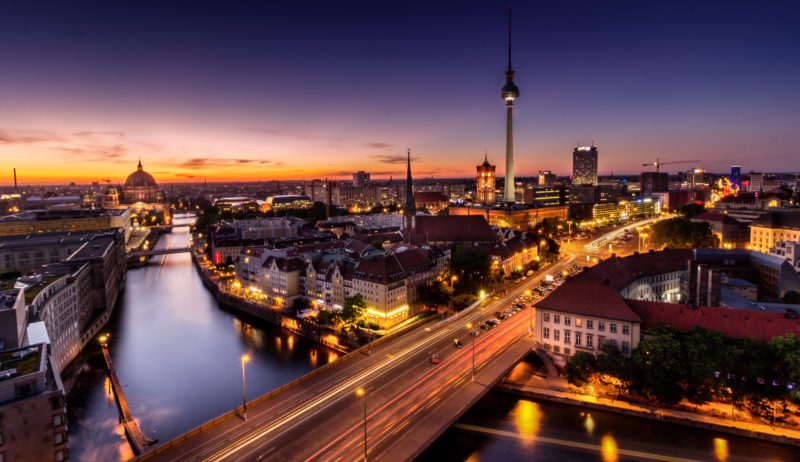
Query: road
323	418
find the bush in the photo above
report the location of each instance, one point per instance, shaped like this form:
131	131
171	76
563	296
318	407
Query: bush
374	325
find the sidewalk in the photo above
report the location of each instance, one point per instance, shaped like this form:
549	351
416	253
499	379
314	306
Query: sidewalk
555	388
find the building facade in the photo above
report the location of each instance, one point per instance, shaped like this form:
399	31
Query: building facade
485	186
584	165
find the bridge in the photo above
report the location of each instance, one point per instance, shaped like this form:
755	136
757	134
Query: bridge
150	253
408	401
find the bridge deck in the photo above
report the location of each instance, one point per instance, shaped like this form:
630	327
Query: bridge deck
139	442
409	400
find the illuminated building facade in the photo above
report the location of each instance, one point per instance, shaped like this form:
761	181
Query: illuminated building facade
484	191
584	165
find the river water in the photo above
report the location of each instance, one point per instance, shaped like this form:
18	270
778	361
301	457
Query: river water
176	352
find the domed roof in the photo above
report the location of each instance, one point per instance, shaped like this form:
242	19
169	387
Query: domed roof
140	178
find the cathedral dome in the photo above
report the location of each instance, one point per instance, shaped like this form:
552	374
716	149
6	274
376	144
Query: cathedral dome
140	178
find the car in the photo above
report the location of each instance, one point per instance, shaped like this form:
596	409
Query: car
493	322
435	358
485	325
457	343
497	313
474	332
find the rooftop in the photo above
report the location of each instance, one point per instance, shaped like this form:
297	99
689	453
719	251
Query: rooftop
621	272
589	298
782	220
8	298
25	360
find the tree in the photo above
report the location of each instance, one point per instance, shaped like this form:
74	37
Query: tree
580	367
325	317
792	297
470	265
299	304
682	233
657	365
434	294
690	210
444	212
377	244
354	308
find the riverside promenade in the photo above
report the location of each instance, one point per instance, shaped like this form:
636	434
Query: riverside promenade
553	388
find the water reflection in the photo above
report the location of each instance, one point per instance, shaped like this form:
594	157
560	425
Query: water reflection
608	447
721	449
526	417
174	347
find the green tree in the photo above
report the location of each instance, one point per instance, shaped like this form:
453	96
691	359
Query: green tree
580	367
444	212
682	233
657	366
792	297
354	307
471	266
690	210
299	304
327	317
434	294
787	352
700	357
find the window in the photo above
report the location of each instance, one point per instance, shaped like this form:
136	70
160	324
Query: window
556	348
589	323
547	317
58	420
566	351
589	341
567	320
612	328
577	339
601	326
556	334
546	332
62	455
613	342
626	329
566	336
557	318
578	322
59	438
626	347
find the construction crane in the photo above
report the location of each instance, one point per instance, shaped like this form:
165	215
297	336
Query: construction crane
658	163
107	180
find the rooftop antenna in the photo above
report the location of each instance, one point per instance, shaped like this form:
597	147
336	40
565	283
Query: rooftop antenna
593	142
15	180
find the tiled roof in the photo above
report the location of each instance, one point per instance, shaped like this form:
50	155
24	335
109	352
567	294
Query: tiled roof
731	322
589	298
453	228
621	272
715	216
783	220
430	196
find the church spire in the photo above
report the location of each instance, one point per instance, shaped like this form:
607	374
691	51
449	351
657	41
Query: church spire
409	207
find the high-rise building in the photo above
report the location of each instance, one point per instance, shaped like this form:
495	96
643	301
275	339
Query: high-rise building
736	177
696	178
360	179
409	207
756	182
584	165
484	192
546	177
509	92
650	182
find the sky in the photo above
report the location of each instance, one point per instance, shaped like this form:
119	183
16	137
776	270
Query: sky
252	90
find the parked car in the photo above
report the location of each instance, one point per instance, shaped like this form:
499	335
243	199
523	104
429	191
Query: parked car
435	358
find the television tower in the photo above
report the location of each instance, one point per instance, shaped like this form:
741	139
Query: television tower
510	92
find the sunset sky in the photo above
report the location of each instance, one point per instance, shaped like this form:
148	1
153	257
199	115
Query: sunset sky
247	90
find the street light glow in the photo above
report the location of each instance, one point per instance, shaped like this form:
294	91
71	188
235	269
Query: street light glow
360	392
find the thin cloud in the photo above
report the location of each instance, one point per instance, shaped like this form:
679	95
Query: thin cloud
379	145
197	163
27	136
92	134
392	158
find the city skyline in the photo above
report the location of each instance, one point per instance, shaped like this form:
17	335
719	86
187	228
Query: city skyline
257	92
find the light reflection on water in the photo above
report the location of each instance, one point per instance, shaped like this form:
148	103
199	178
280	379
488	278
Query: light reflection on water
177	354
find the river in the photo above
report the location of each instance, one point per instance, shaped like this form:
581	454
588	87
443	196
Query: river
177	352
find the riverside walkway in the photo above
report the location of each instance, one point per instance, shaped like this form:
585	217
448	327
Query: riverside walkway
139	442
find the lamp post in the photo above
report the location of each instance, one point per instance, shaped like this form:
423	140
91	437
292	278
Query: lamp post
469	328
530	327
245	358
453	280
362	392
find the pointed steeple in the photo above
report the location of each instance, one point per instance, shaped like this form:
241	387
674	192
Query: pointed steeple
139	167
409	207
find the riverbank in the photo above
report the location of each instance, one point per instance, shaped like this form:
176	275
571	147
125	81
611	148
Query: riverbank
553	388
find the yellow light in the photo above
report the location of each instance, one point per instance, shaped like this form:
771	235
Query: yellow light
103	339
721	449
609	448
469	325
360	392
245	358
483	294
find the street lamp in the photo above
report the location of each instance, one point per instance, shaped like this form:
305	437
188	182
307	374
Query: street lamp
245	358
453	280
530	328
362	392
469	328
104	340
